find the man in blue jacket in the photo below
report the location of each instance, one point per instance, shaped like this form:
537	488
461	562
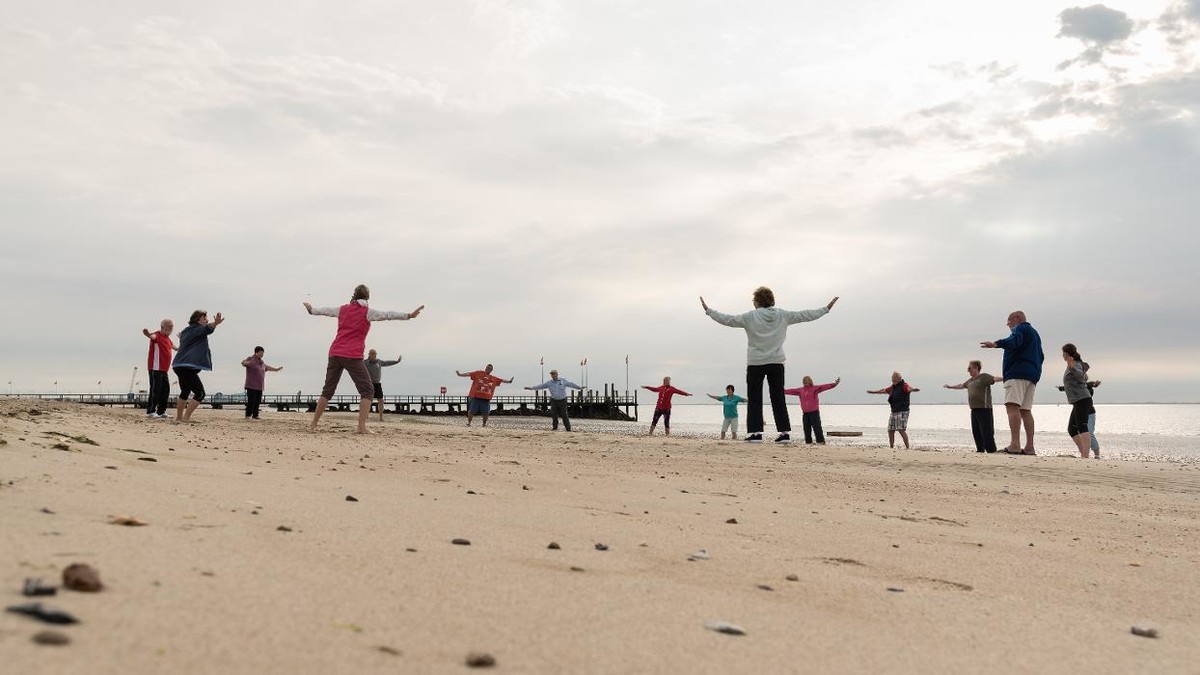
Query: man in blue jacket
1022	369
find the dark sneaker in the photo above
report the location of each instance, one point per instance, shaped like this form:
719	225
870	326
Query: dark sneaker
754	438
784	438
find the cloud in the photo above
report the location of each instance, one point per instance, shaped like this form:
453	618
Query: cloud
1100	28
1181	22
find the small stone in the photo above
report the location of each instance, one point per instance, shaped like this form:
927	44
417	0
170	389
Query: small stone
601	547
51	637
471	492
576	568
731	521
524	487
61	446
480	660
81	577
146	459
554	546
894	589
725	627
411	550
1143	630
47	511
793	577
388	650
699	554
764	587
283	528
351	498
460	542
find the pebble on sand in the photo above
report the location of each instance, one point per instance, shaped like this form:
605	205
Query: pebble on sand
554	546
480	660
601	547
793	577
731	521
351	498
81	577
283	528
725	627
1143	630
51	637
459	541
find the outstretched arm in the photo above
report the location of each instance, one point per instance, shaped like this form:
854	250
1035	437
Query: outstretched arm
218	319
273	369
714	397
832	302
509	380
385	364
703	304
321	311
877	391
146	332
954	386
462	374
380	315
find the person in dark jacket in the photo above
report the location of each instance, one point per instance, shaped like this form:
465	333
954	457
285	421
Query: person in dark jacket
898	399
1022	368
192	357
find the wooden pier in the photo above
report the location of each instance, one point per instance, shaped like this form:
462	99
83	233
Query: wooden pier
606	404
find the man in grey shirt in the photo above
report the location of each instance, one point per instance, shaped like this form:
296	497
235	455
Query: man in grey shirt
979	398
558	398
375	367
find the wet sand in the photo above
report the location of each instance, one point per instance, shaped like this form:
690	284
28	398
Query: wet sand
1000	564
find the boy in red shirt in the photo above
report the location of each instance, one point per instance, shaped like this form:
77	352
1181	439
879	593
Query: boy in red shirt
483	386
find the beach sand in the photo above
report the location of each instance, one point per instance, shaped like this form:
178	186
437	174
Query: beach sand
1006	564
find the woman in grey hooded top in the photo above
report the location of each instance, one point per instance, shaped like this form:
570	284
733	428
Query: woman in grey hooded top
766	327
1075	384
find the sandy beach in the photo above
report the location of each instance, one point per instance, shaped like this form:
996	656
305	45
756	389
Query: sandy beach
270	550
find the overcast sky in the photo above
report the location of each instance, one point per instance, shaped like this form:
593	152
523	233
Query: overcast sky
563	179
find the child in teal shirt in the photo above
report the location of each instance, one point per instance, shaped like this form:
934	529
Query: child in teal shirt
731	402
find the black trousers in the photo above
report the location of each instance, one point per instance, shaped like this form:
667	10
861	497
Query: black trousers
773	372
558	408
160	392
983	429
253	401
812	426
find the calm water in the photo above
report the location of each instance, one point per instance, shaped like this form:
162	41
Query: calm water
1129	432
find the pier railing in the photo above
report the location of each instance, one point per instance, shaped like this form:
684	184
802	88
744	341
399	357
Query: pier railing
607	403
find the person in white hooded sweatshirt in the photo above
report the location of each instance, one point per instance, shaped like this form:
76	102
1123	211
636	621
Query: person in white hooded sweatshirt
766	328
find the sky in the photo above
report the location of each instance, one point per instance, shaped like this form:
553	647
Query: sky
563	180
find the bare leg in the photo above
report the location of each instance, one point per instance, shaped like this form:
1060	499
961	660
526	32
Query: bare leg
191	408
321	403
1014	425
364	411
1084	443
652	428
904	435
891	438
380	408
485	416
470	416
179	410
1027	418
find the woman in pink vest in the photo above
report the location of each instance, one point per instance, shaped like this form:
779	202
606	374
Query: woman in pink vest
346	352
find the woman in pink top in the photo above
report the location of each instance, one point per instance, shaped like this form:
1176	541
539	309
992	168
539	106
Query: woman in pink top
810	407
346	352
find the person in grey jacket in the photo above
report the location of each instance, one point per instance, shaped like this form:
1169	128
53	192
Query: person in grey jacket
557	387
766	327
1075	384
375	366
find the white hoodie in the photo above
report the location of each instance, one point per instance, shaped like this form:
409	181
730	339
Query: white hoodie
766	328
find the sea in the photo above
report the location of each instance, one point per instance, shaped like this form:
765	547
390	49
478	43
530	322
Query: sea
1128	432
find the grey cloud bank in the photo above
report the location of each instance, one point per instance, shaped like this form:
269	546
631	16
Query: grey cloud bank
564	181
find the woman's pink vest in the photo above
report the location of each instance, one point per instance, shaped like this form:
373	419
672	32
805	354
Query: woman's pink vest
351	339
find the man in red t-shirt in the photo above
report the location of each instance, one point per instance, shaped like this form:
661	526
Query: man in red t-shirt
158	363
483	386
663	407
